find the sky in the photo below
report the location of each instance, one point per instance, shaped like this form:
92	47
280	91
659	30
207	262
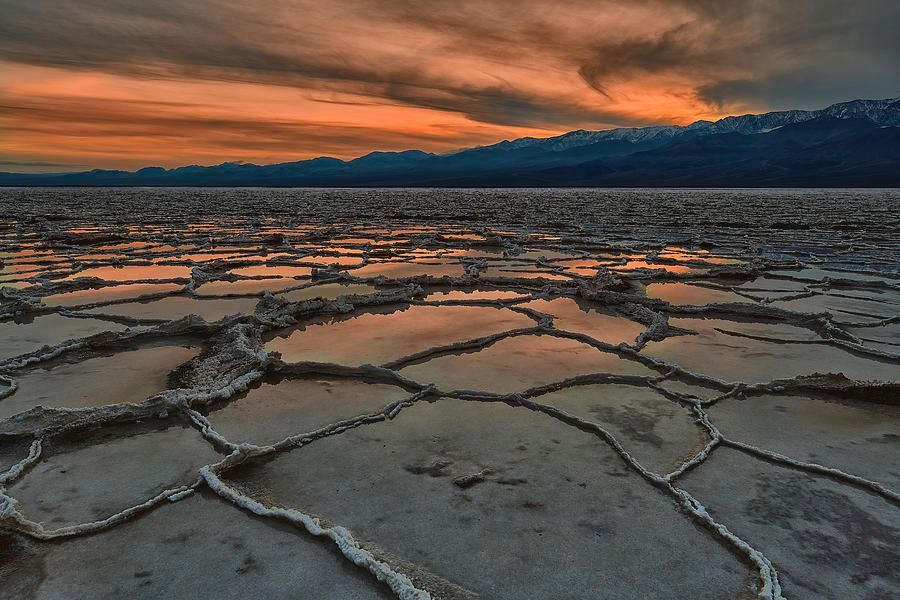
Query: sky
130	83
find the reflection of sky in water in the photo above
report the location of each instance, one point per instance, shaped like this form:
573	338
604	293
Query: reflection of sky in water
377	337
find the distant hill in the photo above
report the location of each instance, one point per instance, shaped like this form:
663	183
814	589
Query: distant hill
851	144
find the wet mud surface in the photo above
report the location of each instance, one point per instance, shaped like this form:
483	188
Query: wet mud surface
323	402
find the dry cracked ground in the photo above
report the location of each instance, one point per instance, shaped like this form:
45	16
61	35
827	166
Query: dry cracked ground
262	408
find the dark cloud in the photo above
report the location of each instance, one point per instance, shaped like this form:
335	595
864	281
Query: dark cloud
761	42
223	41
825	52
800	54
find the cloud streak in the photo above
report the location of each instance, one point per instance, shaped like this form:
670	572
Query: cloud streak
393	73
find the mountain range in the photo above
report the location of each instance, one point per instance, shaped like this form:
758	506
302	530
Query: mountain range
851	144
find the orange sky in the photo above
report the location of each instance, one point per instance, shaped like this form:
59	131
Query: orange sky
129	83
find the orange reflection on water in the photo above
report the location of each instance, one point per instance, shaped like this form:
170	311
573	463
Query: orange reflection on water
587	267
246	286
568	315
273	271
473	295
496	272
341	249
463	236
98	257
683	293
126	246
369	241
13	263
468	253
377	337
642	264
78	230
328	291
324	259
118	292
518	363
399	270
410	230
135	272
684	254
203	257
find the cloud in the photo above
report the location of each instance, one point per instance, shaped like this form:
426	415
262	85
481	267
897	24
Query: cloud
500	65
21	164
360	50
769	55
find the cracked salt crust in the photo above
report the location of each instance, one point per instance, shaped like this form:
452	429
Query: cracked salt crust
543	378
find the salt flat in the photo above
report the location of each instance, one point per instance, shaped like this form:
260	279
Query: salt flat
449	394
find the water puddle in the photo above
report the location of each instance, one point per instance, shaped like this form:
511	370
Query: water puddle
377	337
585	267
127	376
441	295
510	273
843	308
659	433
109	293
735	358
822	274
325	260
135	273
273	411
176	307
685	293
400	270
246	287
518	363
884	337
272	271
769	284
328	291
569	315
631	265
858	438
47	330
108	470
544	254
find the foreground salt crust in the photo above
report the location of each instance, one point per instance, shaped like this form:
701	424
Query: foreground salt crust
384	398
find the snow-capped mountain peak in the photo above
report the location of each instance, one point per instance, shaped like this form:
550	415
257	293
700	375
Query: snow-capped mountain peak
881	112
